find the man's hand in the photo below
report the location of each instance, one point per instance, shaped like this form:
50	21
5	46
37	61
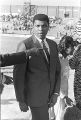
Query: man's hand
23	107
33	51
53	100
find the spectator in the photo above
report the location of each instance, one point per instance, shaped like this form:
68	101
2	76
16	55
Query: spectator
75	63
65	47
72	113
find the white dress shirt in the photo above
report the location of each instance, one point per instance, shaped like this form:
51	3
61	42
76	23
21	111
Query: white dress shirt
46	44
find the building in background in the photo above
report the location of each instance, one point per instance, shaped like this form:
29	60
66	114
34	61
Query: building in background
58	8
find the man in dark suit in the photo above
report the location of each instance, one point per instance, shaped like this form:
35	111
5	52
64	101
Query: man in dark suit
37	82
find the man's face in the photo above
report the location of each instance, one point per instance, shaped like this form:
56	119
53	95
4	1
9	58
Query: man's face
40	29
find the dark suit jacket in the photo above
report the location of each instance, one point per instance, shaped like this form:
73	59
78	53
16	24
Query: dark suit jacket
35	81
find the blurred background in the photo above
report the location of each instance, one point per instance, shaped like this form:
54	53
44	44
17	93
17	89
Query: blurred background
16	25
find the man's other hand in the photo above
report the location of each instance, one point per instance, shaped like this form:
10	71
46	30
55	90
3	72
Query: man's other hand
53	100
23	107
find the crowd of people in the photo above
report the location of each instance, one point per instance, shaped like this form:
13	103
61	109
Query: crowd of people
21	22
41	73
15	23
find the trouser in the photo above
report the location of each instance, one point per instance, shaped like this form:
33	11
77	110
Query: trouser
40	113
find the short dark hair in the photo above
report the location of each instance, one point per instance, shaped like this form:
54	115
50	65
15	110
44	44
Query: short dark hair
65	42
72	113
41	17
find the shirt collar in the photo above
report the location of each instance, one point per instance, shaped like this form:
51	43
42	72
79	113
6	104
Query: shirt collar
40	39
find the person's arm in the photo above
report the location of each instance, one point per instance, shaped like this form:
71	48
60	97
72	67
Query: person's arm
73	61
19	74
57	75
16	58
56	90
12	59
19	80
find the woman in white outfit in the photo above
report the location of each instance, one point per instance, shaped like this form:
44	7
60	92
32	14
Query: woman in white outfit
66	48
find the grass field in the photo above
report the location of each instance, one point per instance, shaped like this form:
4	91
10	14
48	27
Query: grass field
9	43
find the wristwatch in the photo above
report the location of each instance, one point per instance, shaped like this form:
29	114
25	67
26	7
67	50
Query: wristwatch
56	94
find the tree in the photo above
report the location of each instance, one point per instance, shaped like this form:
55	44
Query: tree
28	11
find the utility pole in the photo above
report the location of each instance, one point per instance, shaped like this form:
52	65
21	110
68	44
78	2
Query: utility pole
11	8
47	10
30	8
80	10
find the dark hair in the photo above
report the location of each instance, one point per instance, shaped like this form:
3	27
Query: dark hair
76	43
41	17
65	42
72	113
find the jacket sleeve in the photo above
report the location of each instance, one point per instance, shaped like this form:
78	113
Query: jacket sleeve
73	62
19	77
57	75
12	59
75	59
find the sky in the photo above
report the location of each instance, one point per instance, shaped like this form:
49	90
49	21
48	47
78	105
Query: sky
42	2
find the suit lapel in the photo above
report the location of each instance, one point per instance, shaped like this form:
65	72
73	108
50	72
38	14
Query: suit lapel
37	45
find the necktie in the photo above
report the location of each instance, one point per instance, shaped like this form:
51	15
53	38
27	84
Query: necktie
46	51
